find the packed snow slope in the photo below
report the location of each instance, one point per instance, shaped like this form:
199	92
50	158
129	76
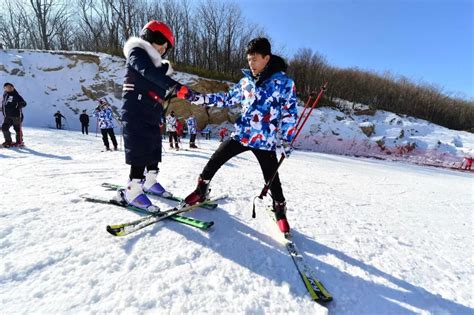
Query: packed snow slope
72	81
384	237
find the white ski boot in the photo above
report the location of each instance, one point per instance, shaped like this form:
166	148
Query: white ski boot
152	186
134	196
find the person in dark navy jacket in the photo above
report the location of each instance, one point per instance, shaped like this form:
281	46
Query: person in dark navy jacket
147	80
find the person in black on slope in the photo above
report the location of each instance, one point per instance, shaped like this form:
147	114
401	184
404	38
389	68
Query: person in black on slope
84	119
12	105
58	116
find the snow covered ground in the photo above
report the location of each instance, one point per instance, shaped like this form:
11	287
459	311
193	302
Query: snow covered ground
384	237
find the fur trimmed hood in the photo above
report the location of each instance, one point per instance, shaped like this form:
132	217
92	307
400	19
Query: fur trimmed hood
155	57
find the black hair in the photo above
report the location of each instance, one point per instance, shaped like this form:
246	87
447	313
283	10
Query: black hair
154	37
259	45
8	84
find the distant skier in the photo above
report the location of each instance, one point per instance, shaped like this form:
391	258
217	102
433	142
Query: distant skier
12	105
105	115
58	117
84	119
179	129
207	132
266	124
467	163
171	129
192	130
147	79
223	133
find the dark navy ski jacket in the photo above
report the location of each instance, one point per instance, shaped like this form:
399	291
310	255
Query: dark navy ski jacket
12	104
145	85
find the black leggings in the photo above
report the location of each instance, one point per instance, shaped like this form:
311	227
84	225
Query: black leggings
16	123
110	132
85	129
138	171
173	135
267	160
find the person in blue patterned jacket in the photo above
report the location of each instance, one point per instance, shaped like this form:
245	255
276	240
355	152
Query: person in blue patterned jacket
266	125
192	130
105	115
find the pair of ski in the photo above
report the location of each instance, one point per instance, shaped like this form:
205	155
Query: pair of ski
315	288
154	217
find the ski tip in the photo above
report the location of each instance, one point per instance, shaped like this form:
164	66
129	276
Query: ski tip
322	299
209	224
115	230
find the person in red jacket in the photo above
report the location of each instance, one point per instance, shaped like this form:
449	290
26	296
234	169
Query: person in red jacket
467	163
223	133
179	129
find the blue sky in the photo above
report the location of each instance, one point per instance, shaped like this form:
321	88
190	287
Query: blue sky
425	40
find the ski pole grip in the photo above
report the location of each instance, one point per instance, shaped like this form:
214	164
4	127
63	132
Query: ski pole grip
264	191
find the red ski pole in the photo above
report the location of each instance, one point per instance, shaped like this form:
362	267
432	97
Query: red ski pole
299	128
304	110
265	189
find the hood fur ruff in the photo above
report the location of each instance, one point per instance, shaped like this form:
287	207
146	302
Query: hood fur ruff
155	57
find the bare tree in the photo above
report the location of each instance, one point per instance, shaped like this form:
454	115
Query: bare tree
93	21
48	15
12	26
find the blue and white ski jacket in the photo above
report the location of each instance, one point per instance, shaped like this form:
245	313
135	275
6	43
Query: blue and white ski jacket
105	118
269	106
192	125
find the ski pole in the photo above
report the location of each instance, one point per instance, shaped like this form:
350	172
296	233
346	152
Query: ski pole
21	127
304	110
121	136
321	92
265	189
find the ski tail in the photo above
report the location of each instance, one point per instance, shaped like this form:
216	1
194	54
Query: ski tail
315	288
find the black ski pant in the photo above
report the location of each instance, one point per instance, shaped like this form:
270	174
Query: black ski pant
267	160
138	171
16	123
85	129
110	132
192	139
58	124
173	135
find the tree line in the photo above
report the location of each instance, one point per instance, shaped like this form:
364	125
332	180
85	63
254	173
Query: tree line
385	91
211	37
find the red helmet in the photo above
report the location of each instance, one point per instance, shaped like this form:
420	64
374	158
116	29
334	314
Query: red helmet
160	27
